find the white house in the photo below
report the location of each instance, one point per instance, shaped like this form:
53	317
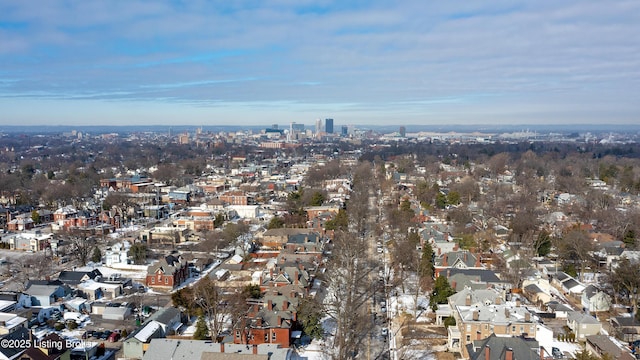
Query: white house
594	300
117	254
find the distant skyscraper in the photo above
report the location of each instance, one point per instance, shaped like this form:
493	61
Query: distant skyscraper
328	126
345	130
318	126
403	131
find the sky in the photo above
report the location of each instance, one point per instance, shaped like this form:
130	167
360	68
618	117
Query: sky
405	62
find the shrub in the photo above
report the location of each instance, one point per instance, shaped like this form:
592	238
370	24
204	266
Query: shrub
72	325
58	326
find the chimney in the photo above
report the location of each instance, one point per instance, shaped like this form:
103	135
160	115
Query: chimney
508	355
453	285
295	316
255	349
285	305
498	301
279	321
295	277
478	257
439	251
465	256
541	353
221	347
518	303
527	316
476	315
506	313
487	352
467	300
270	305
444	260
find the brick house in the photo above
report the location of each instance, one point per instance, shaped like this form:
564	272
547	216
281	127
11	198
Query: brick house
167	273
269	322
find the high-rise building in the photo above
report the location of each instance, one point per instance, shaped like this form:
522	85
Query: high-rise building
403	131
328	126
345	130
318	126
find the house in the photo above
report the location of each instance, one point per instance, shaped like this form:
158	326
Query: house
278	238
626	328
73	278
10	322
594	300
475	278
95	290
50	347
178	349
481	321
505	348
44	295
583	325
21	336
457	260
536	295
469	297
138	342
167	273
29	241
599	345
117	254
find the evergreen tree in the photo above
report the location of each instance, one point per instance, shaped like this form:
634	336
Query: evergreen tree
441	292
202	332
96	257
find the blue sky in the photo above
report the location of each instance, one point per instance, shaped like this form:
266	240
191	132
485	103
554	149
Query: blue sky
209	62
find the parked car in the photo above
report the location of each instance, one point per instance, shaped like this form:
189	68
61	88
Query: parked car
113	337
556	353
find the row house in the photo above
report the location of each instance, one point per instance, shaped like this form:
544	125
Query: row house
133	184
236	197
481	321
29	241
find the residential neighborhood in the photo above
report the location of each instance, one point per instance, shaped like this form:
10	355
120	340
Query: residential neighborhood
339	246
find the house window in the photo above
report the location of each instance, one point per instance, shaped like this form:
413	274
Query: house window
468	327
468	338
238	334
513	329
266	337
153	280
273	336
486	326
159	278
166	280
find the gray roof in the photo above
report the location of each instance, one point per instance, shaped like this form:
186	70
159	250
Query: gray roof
605	345
581	318
482	275
164	315
176	349
41	290
522	349
20	334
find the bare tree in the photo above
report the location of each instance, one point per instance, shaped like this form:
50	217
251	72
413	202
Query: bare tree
80	246
348	293
210	298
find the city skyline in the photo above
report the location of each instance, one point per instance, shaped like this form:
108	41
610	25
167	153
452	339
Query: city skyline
375	62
